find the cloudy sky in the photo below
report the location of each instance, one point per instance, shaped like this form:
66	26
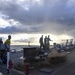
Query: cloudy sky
27	20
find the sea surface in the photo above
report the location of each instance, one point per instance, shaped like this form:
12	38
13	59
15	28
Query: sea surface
20	47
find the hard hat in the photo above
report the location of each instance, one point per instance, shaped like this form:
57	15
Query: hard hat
9	36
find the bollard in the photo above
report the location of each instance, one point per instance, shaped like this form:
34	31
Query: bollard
27	69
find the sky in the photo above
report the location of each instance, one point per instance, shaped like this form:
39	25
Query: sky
27	20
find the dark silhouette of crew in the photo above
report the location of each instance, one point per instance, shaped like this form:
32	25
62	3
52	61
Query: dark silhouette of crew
41	42
48	42
45	42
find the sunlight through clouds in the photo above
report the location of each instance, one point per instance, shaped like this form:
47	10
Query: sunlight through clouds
56	17
3	23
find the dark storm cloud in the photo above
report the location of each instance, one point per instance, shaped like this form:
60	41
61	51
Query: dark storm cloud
16	12
36	13
58	14
19	29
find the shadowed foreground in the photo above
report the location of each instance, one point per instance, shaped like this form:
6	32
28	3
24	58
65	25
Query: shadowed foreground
67	69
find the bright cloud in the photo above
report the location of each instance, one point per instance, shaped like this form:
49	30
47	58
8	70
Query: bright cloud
3	23
37	16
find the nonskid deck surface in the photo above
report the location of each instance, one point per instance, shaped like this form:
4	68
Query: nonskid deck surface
66	69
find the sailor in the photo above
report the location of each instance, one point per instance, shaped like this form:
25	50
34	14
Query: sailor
41	42
1	42
7	46
8	41
45	42
48	43
1	52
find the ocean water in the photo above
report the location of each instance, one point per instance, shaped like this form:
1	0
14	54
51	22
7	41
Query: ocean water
20	47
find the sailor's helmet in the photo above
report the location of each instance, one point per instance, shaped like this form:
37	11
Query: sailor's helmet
9	36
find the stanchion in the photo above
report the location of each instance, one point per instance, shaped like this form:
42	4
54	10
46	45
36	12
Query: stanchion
27	69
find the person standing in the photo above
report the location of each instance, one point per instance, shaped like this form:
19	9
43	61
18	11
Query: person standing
1	51
41	42
45	42
48	43
7	46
